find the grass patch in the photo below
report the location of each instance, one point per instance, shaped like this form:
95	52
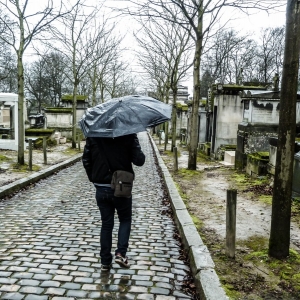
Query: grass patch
181	193
201	157
24	168
265	199
286	271
255	243
296	210
71	151
198	223
259	275
4	158
170	153
188	173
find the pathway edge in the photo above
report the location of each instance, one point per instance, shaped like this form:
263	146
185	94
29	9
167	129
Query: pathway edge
202	265
17	185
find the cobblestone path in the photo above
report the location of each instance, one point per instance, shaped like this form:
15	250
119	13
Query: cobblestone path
49	242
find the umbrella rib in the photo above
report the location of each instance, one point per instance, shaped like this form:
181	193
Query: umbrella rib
134	112
146	107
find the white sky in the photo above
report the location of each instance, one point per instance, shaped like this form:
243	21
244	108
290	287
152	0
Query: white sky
251	25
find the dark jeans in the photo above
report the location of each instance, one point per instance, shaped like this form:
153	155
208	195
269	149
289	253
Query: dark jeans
107	204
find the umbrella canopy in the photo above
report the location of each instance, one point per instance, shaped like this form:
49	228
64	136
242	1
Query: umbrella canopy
122	116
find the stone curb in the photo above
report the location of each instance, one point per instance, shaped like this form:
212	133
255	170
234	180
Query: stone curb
36	176
201	263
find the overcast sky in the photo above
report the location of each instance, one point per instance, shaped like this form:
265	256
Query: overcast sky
250	25
245	24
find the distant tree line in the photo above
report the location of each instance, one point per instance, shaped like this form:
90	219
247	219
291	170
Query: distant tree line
87	54
234	58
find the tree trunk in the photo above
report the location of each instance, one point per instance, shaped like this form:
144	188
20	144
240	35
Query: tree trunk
281	207
174	117
20	116
167	123
74	106
21	133
101	93
192	162
94	87
94	96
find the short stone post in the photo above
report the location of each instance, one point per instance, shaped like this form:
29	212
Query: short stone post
45	149
78	137
175	159
30	154
230	223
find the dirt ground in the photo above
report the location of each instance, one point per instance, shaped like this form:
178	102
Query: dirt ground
252	274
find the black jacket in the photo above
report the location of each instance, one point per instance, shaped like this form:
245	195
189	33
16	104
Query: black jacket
103	156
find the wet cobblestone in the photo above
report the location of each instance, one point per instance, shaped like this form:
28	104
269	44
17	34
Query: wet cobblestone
49	242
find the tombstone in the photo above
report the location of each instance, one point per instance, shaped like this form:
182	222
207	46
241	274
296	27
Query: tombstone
37	121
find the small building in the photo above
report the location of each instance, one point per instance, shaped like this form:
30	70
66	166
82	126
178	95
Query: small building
9	121
81	105
61	118
225	110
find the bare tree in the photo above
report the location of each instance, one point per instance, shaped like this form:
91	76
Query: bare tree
158	73
57	81
82	33
119	81
170	46
193	14
45	80
227	53
282	192
108	53
25	23
36	83
270	53
8	69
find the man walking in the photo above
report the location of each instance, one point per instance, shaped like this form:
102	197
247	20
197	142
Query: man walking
101	158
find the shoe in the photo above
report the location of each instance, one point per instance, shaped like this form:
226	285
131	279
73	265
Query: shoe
122	261
105	268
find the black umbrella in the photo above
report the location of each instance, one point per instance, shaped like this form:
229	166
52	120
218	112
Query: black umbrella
122	116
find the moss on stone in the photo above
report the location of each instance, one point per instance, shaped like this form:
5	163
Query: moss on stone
264	156
34	131
58	110
70	97
227	147
182	107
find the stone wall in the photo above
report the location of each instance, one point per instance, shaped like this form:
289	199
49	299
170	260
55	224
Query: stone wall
229	115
